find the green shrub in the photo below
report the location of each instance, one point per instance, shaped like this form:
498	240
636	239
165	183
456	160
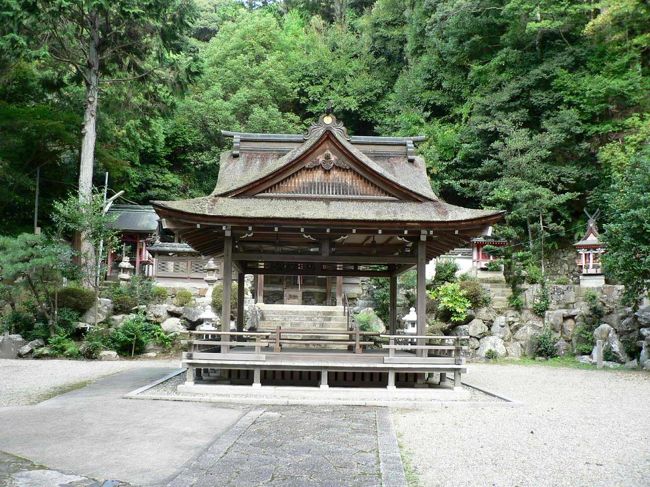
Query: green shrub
542	300
217	299
491	354
66	319
477	294
494	265
445	272
516	301
562	281
21	322
139	290
76	298
452	301
132	337
545	346
158	336
368	321
159	294
533	274
183	297
62	345
596	309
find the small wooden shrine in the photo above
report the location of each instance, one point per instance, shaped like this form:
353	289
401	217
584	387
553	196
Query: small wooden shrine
320	204
590	250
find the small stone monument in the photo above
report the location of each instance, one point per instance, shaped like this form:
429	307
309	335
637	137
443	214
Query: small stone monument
210	277
126	269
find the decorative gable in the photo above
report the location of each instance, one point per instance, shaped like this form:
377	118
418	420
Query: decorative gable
327	174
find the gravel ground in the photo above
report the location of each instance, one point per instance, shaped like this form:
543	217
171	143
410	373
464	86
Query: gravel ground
24	382
574	428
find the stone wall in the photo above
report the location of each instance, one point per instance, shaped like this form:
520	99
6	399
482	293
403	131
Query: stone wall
561	263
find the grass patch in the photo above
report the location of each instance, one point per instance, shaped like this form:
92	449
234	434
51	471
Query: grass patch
412	479
570	362
57	391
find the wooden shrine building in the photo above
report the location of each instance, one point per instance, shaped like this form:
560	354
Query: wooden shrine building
320	204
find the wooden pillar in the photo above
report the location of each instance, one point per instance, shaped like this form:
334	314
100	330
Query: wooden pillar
136	271
421	302
260	289
339	290
241	287
227	286
323	379
393	305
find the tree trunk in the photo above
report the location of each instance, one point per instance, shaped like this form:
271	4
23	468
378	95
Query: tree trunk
89	137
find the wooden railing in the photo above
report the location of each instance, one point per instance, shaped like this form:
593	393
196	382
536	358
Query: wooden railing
279	337
450	346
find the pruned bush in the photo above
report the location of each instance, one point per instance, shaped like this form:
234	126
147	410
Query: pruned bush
369	321
76	298
475	292
159	294
445	272
542	300
62	345
217	299
183	297
139	290
494	265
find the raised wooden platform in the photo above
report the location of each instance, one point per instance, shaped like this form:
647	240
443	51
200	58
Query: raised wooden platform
217	357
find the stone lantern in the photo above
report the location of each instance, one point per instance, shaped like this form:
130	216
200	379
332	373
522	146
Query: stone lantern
126	270
208	320
410	322
210	276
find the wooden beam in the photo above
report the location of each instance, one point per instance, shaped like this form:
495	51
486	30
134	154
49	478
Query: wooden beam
260	288
339	290
316	272
334	259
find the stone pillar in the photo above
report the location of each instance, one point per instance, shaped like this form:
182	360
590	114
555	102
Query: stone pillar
421	302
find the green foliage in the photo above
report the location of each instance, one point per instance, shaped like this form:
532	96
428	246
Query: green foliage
452	301
132	337
159	294
62	345
491	354
494	265
184	297
15	321
76	298
516	301
217	299
542	301
562	281
534	274
545	344
367	321
478	296
445	272
138	291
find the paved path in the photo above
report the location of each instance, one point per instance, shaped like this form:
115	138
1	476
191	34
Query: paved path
574	428
93	433
299	446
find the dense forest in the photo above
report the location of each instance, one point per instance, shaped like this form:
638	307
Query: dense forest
536	107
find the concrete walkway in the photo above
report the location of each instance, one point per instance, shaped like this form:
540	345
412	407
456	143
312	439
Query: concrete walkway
95	433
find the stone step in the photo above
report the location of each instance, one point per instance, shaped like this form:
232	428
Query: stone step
294	317
302	309
265	325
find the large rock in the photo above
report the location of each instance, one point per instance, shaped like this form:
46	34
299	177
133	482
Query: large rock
611	342
514	349
643	316
108	355
562	348
10	345
501	329
628	325
527	336
174	310
116	321
193	313
30	347
491	343
102	309
473	343
157	313
644	356
172	325
485	314
568	327
477	328
461	331
555	319
645	333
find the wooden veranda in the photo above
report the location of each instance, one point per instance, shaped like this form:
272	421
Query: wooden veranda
322	204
